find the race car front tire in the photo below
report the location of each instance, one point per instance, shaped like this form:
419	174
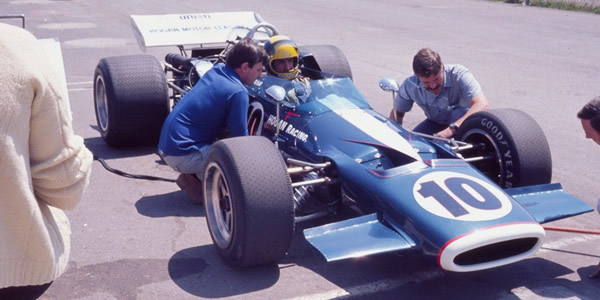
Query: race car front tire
515	146
131	99
248	201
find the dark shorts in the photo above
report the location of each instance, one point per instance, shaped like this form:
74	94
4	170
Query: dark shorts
430	127
29	292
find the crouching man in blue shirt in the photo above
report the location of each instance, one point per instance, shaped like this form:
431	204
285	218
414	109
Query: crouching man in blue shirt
219	101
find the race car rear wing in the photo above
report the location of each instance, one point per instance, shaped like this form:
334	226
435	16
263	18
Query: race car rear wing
189	29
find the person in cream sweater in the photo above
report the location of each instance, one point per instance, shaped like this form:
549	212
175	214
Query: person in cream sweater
44	167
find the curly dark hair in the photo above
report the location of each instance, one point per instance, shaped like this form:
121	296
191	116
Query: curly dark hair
248	51
591	111
426	63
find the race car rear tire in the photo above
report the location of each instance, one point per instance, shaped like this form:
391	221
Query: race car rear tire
330	59
516	147
131	99
248	201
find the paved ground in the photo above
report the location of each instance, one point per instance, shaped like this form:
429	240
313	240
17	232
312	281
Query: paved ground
137	239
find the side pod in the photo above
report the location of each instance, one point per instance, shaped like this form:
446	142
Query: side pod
548	202
356	237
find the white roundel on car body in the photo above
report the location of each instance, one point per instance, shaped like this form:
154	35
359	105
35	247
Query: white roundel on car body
461	197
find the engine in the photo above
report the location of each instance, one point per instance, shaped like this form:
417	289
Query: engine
186	72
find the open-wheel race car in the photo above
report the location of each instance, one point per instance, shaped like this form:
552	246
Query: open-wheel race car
316	146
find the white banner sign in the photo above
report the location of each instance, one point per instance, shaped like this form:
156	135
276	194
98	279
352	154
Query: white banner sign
189	29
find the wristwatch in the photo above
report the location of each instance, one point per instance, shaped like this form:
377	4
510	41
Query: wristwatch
453	126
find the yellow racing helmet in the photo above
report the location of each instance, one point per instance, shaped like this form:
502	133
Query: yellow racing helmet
281	47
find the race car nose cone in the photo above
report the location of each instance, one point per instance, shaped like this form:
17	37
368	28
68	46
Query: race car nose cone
491	247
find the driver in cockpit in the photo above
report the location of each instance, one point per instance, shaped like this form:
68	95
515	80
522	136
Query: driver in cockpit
283	57
284	63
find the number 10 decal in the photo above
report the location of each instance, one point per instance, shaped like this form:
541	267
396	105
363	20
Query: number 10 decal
461	197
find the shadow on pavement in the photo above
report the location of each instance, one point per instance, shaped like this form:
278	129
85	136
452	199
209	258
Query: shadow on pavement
168	205
586	288
217	279
120	279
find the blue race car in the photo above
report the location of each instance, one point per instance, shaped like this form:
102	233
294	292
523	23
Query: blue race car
317	146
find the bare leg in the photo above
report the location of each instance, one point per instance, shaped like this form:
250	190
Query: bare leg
192	186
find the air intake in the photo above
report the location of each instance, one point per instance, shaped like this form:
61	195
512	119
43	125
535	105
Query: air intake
491	247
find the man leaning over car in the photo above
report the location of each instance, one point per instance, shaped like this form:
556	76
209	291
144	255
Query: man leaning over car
219	101
448	94
590	121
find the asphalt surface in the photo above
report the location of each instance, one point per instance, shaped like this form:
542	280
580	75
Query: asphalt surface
135	239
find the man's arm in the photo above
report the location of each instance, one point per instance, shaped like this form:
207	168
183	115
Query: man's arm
396	116
60	162
478	103
402	102
237	117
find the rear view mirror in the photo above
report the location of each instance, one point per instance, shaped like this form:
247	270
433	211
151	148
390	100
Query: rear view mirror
388	85
276	92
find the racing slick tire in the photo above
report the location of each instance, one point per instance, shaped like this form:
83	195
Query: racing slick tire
515	145
330	59
131	99
248	201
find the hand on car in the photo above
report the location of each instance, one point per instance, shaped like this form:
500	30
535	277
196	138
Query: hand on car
446	133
